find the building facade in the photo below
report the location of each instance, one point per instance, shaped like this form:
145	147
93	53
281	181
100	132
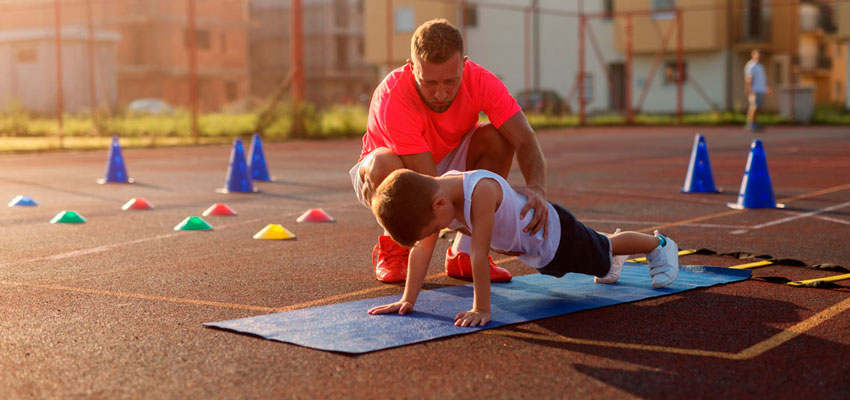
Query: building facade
28	76
535	45
152	52
335	70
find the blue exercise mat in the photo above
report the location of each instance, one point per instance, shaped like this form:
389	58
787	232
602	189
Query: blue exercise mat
347	328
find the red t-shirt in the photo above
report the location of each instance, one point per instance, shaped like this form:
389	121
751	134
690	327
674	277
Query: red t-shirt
400	120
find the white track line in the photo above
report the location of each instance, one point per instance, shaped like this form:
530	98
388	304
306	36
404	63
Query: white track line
651	223
796	216
831	219
100	249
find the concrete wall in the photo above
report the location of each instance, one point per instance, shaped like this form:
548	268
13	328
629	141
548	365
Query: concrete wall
32	83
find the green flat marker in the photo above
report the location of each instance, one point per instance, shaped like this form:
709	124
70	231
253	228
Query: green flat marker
67	217
193	224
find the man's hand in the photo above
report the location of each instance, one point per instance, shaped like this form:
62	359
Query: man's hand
537	201
472	318
402	307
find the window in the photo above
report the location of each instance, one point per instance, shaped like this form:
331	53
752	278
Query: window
588	88
608	8
202	39
671	69
404	22
664	7
470	16
231	91
27	55
341	52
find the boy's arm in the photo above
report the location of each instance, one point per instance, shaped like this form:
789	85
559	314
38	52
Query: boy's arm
485	196
418	261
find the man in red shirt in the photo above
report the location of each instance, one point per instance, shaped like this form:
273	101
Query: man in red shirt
424	117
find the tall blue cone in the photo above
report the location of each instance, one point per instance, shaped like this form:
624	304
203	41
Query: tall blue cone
238	178
116	171
257	160
699	178
756	189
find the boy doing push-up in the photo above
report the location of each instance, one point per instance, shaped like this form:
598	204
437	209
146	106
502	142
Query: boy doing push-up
413	208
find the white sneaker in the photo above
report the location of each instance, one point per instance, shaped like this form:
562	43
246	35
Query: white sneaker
616	268
614	273
663	262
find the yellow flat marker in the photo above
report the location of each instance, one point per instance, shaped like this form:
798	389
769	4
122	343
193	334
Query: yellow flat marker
752	265
827	279
274	232
681	253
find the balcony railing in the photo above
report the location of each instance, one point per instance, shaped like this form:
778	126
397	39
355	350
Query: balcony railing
753	28
817	18
815	62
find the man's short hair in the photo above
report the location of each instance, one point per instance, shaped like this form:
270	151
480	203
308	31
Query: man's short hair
436	41
402	204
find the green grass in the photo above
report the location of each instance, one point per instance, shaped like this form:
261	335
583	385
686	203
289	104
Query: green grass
20	131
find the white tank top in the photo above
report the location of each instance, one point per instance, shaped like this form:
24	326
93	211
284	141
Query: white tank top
507	226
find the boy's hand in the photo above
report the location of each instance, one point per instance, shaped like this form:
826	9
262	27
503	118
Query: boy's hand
402	307
472	318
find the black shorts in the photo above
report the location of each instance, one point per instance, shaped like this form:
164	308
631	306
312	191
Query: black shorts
581	249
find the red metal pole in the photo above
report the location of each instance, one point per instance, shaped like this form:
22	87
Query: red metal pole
389	35
527	56
297	57
679	64
60	107
658	56
193	65
628	70
792	30
582	110
92	84
463	21
297	50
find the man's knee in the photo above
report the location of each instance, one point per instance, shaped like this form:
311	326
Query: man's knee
490	150
382	163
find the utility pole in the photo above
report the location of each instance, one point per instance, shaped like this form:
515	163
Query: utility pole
193	65
92	75
59	94
297	56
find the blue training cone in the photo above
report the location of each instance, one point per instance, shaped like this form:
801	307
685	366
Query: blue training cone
699	178
238	178
22	201
257	160
116	171
756	189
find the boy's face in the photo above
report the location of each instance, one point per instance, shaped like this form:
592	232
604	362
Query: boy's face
443	216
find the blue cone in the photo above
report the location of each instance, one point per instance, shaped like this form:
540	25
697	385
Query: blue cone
699	178
116	171
238	179
756	189
22	201
257	160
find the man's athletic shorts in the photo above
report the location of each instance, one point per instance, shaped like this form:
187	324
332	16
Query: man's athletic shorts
456	160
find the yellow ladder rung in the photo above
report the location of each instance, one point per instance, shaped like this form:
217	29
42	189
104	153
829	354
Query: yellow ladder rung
827	279
752	265
681	253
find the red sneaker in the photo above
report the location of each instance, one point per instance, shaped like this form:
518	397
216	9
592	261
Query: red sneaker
391	262
460	266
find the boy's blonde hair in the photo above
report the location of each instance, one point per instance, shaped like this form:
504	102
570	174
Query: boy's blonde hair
436	41
402	204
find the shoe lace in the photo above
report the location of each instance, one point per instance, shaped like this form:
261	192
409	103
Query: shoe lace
392	256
